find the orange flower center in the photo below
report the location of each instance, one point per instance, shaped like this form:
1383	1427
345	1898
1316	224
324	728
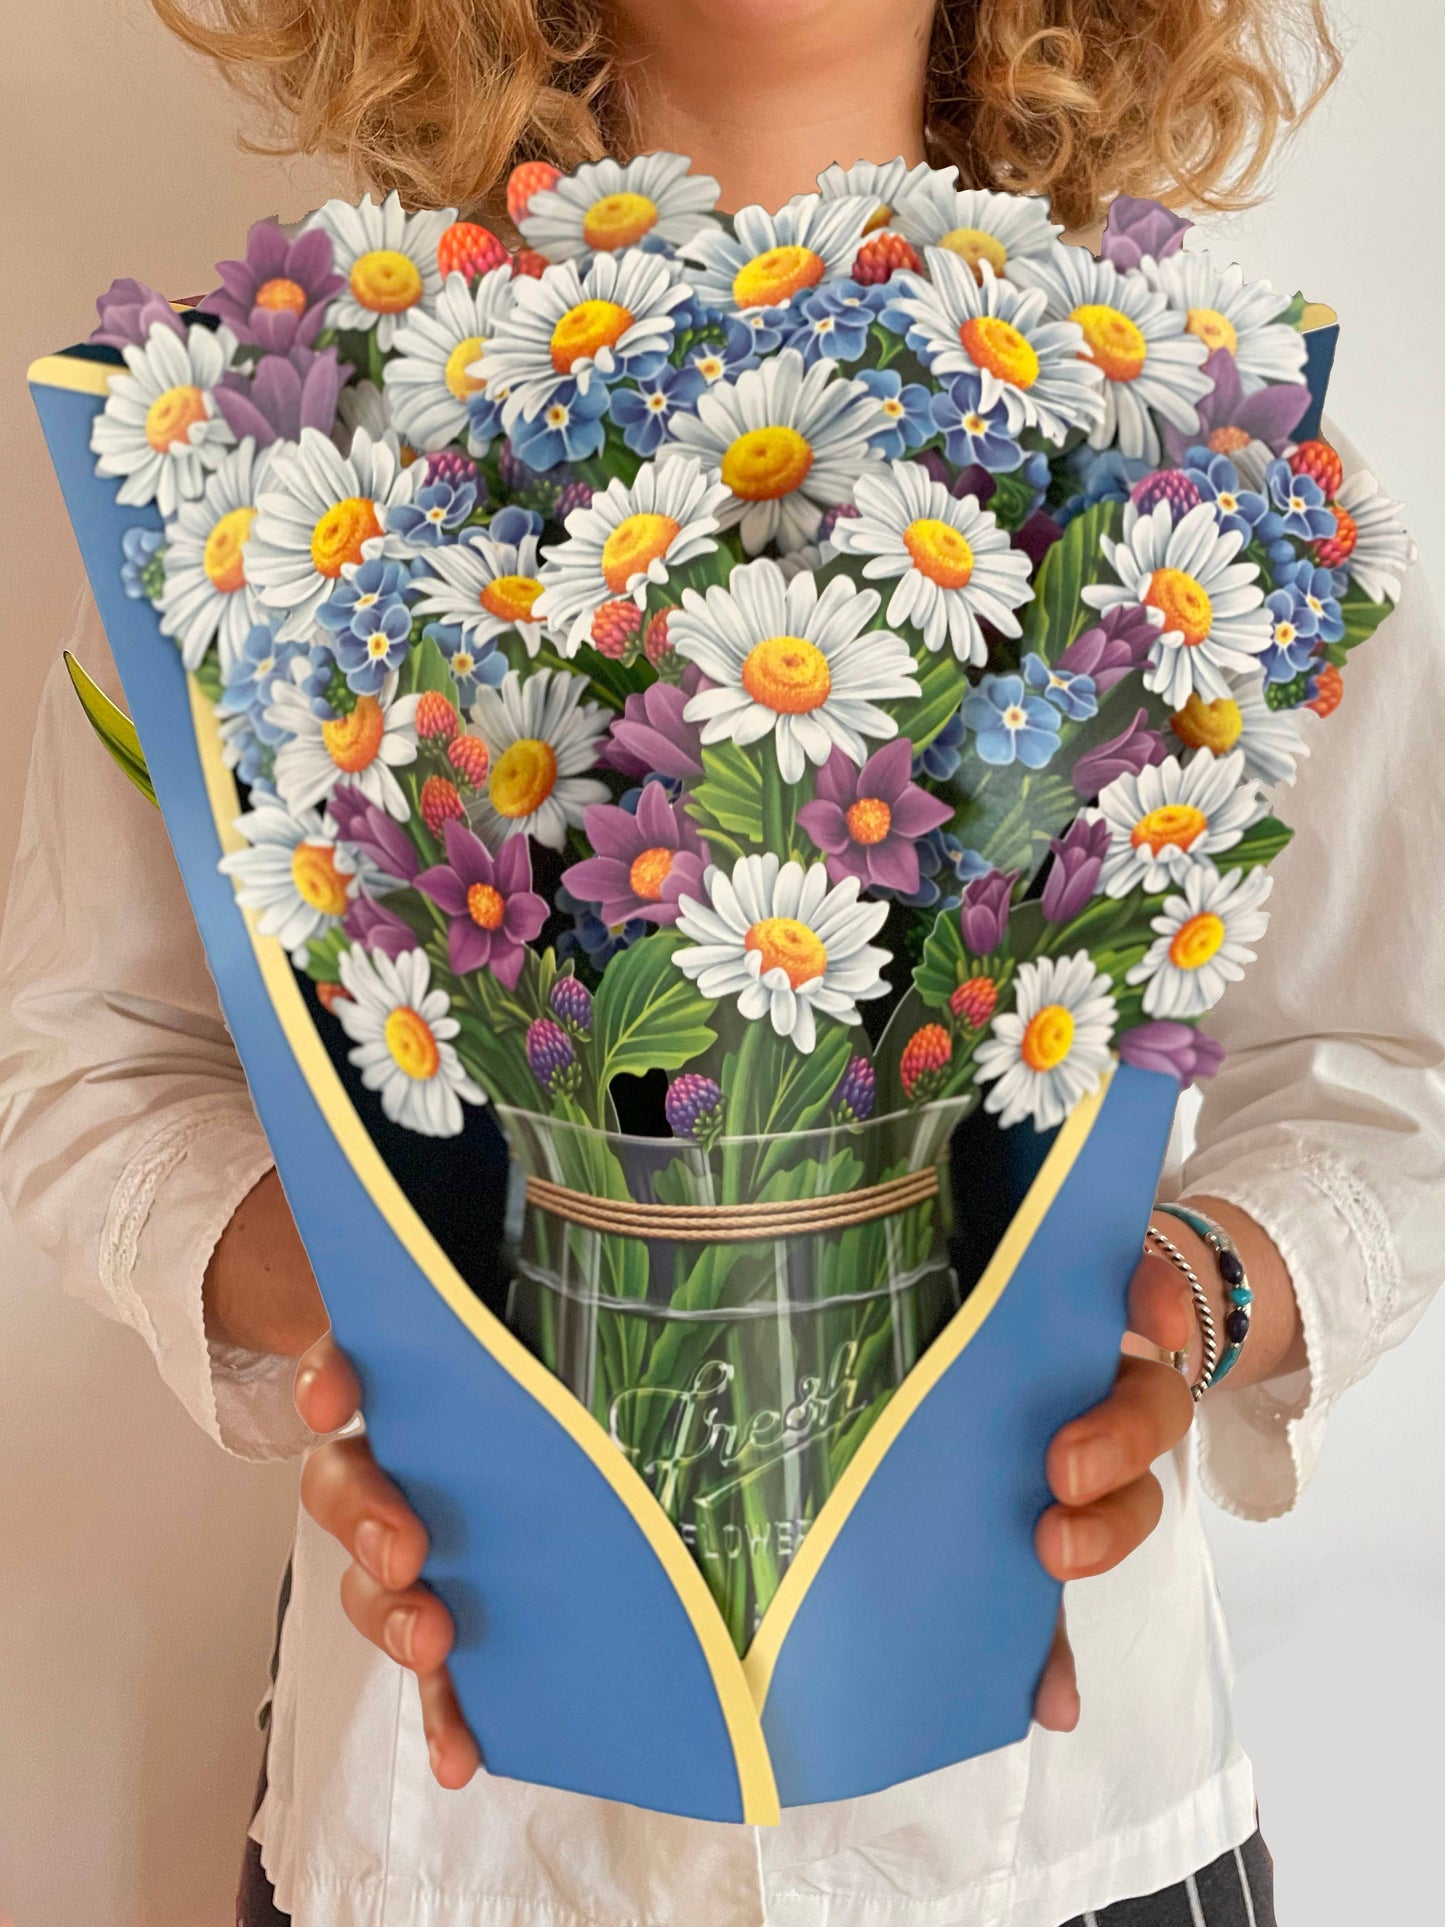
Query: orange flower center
782	943
486	906
787	674
317	879
222	558
281	296
460	384
510	597
997	347
766	463
385	281
1196	941
1186	609
353	741
973	246
650	871
777	276
1228	441
1215	726
634	545
869	820
618	221
338	537
940	552
587	329
171	417
1213	329
409	1039
1048	1038
523	777
1178	825
1111	341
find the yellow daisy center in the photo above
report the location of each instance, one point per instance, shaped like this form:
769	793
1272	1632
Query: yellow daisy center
1112	341
587	329
1215	726
338	537
1228	441
650	871
410	1041
510	597
459	383
353	741
618	221
522	777
281	296
787	674
317	879
1213	329
1172	825
973	246
766	463
777	276
782	943
879	218
171	417
940	552
222	558
633	545
1000	350
1196	941
1048	1038
486	906
1186	609
385	281
869	820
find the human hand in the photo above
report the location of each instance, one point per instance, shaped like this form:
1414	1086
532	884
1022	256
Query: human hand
260	1292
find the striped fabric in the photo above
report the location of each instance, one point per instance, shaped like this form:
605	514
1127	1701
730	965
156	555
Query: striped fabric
1236	1890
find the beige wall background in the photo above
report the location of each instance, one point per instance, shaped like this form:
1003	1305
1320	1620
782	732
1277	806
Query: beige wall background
138	1565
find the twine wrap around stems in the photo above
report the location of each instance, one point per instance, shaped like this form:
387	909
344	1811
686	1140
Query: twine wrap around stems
734	1223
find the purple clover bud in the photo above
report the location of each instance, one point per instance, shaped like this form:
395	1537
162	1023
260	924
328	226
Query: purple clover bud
840	512
572	1001
576	495
1074	873
550	1055
693	1106
1115	646
1133	749
1139	230
857	1092
1169	485
983	918
1175	1050
451	466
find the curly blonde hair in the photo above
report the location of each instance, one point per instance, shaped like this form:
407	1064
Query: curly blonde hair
1076	99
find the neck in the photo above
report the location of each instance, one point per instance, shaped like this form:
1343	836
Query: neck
769	96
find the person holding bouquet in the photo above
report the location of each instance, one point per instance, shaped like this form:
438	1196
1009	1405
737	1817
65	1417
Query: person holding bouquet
132	1153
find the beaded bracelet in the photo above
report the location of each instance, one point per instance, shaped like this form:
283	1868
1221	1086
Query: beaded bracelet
1232	1276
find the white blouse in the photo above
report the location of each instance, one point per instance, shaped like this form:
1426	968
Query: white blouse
127	1139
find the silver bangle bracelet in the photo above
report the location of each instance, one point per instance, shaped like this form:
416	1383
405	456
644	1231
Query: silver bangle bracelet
1209	1338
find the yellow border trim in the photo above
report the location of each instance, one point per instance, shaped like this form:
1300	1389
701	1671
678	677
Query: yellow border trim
76	372
946	1349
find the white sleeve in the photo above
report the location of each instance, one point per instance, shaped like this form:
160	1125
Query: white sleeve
127	1134
1327	1121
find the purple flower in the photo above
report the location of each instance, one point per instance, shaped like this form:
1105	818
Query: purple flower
283	395
1139	231
983	916
377	928
550	1055
1229	420
1126	754
571	1000
377	835
1117	645
1171	485
1175	1050
128	311
857	1092
492	912
1074	873
276	298
867	821
642	863
457	470
650	737
693	1106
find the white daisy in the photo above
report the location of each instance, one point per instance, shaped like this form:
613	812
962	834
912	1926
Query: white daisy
1208	608
299	879
1052	1048
975	223
953	562
321	515
1150	364
626	541
362	748
888	185
1376	550
769	259
786	441
1202	942
787	660
1001	333
1270	740
403	1028
389	258
774	936
567	329
607	205
361	404
488	588
429	381
1226	311
160	428
1167	818
206	597
541	741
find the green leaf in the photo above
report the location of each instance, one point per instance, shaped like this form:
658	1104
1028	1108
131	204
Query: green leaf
1261	843
1057	614
730	795
647	1015
942	687
323	956
114	728
945	962
426	669
208	676
1362	618
497	1059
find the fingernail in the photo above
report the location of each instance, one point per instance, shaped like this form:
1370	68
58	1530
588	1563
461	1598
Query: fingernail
399	1633
1093	1466
301	1390
1085	1542
372	1545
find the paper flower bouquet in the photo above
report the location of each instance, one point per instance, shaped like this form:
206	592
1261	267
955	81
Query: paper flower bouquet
735	701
